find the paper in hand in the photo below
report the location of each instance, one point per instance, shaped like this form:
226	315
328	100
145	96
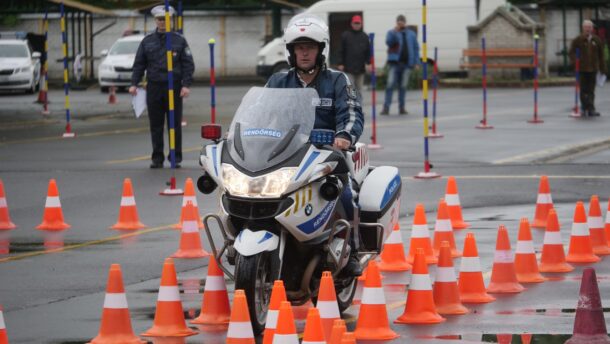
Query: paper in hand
601	79
138	102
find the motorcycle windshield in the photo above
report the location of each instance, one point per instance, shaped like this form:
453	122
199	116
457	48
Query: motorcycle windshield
270	125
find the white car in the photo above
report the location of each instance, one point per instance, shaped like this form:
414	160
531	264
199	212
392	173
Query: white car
116	68
19	66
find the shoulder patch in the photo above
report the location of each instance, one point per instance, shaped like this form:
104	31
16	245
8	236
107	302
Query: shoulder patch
187	51
351	92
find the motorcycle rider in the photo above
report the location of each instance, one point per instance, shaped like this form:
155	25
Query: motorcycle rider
338	107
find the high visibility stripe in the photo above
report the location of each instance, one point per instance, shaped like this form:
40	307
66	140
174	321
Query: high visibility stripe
525	247
394	238
115	301
452	199
544	199
608	216
504	256
470	264
372	296
443	226
309	342
2	325
128	201
215	283
552	238
419	231
169	293
420	282
240	330
190	227
3	202
272	319
580	229
593	221
52	202
192	199
286	338
329	309
445	274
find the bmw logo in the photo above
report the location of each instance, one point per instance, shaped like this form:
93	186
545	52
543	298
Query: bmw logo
308	209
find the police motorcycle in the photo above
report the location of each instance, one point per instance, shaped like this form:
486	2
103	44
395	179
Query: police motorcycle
281	188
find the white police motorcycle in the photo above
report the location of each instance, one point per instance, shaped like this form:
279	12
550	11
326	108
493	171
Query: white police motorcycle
281	188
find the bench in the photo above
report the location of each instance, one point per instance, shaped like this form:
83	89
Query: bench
498	53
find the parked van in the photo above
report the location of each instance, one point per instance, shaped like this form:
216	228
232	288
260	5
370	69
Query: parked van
446	29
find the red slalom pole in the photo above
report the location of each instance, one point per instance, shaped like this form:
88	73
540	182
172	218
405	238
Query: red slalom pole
434	134
373	144
576	108
536	120
483	123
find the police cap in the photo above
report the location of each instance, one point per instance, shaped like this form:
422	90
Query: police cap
159	11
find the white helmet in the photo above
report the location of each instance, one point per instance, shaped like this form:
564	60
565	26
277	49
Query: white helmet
306	27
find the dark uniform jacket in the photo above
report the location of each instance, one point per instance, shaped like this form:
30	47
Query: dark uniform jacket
339	107
355	51
591	54
152	58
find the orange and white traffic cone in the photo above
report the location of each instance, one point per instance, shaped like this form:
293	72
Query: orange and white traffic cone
393	255
169	316
526	338
470	282
314	332
526	264
596	228
420	308
286	331
503	274
3	335
116	323
128	212
112	95
190	241
189	195
5	218
420	237
327	303
607	225
348	338
446	291
336	335
240	327
278	295
215	307
373	323
53	217
581	249
553	257
453	205
544	203
443	231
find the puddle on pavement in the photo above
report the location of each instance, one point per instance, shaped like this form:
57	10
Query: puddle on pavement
505	338
492	218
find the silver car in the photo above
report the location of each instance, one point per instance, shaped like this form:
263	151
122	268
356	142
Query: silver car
116	68
19	66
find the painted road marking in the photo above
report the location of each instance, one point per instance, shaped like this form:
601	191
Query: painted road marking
92	134
554	152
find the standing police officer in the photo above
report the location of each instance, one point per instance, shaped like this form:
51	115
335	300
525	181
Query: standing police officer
152	58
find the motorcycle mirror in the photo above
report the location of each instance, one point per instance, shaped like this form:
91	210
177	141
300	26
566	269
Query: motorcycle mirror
211	131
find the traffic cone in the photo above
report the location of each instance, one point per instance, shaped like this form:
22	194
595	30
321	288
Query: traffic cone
443	231
327	303
3	335
128	212
169	316
5	218
116	323
314	331
526	338
607	226
286	332
112	95
348	338
470	282
53	217
596	228
589	324
420	237
278	295
553	256
215	308
544	203
339	329
393	255
373	323
189	195
240	327
503	274
420	308
453	205
446	291
526	264
504	338
581	249
190	241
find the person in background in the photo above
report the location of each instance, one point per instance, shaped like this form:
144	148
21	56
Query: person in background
403	56
355	53
592	61
152	58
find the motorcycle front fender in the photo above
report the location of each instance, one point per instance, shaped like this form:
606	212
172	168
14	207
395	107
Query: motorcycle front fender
249	243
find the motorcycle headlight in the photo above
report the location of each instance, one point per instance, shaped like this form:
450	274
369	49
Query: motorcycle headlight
271	185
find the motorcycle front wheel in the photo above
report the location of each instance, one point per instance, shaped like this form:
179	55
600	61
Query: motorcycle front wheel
253	274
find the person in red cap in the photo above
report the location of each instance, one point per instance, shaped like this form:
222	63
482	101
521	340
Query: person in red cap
355	52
